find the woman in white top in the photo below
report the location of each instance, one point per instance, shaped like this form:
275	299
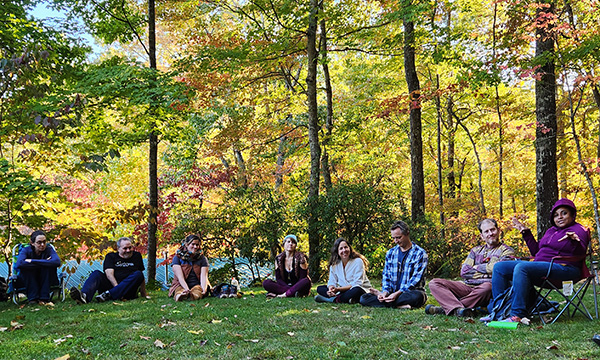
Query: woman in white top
347	275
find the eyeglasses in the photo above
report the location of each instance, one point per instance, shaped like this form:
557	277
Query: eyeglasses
40	243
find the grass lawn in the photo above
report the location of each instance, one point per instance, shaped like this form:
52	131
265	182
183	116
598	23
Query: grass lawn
256	328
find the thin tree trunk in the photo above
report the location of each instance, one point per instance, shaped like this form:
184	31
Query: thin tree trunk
438	106
500	125
153	155
329	120
545	98
280	162
313	140
242	176
416	141
479	167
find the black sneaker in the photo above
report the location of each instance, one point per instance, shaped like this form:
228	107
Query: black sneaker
462	312
434	310
78	296
105	296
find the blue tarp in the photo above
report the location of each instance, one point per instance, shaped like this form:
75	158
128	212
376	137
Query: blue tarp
83	270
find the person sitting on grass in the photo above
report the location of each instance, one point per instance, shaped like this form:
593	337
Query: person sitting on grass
460	298
190	267
37	265
122	278
348	279
291	272
403	276
565	238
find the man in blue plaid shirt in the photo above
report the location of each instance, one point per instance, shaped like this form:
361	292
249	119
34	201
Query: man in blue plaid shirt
403	278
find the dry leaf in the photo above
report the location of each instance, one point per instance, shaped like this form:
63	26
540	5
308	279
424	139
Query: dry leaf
290	333
144	337
62	340
196	332
20	317
215	321
172	343
216	343
365	317
403	351
91	310
64	357
553	347
122	345
203	342
85	351
159	344
315	311
344	311
252	340
118	304
489	341
454	347
429	327
2	329
525	321
408	323
206	305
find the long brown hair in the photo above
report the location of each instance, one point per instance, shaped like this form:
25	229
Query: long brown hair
335	256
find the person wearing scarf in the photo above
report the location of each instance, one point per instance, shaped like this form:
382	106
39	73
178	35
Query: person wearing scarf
190	267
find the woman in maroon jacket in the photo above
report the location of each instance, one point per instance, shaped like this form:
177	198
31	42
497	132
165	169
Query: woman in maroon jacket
565	238
291	272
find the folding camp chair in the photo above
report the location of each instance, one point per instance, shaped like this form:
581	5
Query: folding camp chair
16	286
575	300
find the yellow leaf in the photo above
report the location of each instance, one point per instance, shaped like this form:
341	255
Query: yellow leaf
159	344
195	332
64	357
365	317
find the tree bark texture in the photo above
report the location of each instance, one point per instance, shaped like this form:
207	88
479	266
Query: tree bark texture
416	141
313	140
329	120
545	104
152	155
280	162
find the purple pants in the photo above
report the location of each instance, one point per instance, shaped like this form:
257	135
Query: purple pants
302	287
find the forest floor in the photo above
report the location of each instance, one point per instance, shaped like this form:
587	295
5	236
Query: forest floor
253	327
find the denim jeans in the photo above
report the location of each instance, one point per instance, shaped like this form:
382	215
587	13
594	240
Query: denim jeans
523	275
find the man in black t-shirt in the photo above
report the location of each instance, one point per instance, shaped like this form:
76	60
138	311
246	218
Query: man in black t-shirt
122	277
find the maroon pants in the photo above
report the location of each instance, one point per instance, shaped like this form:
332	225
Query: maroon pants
302	287
456	294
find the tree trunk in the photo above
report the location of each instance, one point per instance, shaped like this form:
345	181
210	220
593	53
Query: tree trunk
438	107
416	141
280	162
153	155
242	176
313	140
329	120
500	125
545	103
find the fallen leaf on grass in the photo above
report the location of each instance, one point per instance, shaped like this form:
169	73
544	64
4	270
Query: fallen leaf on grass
20	317
118	304
168	323
252	340
334	307
172	343
452	329
203	342
230	345
215	321
144	337
454	347
91	310
122	345
403	351
207	305
525	321
553	347
344	311
64	357
408	323
196	332
341	343
62	340
429	327
159	344
290	333
365	317
216	343
470	321
2	329
315	311
289	358
85	351
489	341
36	309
